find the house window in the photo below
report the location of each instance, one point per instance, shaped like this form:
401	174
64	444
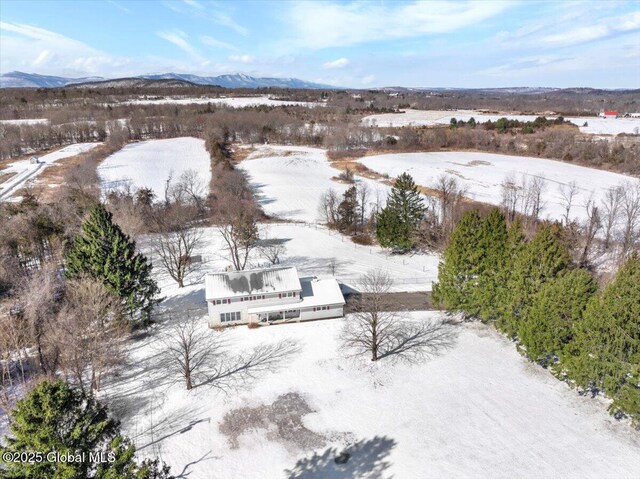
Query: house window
233	316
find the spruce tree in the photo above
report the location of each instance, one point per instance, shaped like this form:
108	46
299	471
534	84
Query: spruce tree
398	220
391	232
541	260
606	349
104	252
56	420
461	264
547	326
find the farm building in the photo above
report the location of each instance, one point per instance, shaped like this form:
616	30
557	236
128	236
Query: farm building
609	114
270	295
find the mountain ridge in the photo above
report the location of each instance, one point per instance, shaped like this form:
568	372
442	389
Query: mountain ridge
17	79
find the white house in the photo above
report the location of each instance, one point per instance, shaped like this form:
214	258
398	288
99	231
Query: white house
270	295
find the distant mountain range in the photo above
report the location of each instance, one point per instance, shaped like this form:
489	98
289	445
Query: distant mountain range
237	80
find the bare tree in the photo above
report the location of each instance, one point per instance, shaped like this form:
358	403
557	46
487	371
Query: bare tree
328	207
450	195
237	224
371	329
590	230
272	250
568	193
39	301
190	189
89	333
189	350
176	239
532	197
630	216
510	197
375	331
610	207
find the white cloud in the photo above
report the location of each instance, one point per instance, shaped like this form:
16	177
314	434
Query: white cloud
26	46
368	80
213	42
320	25
339	63
179	39
597	31
242	58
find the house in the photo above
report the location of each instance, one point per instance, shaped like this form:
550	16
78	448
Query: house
608	114
270	295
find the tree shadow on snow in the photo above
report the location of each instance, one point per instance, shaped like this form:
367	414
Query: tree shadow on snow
368	459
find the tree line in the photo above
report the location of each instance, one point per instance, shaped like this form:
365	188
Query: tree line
534	293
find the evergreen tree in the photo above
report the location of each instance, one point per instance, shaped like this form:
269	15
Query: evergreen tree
547	326
606	350
459	270
54	419
400	217
493	246
391	232
104	252
348	210
541	260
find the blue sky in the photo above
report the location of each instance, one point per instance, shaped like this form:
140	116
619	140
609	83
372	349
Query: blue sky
354	44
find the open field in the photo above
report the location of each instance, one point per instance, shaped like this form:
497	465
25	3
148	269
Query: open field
233	102
483	173
595	125
30	121
290	180
151	163
24	171
476	408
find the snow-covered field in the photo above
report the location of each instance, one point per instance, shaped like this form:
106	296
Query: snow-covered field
483	173
595	125
233	102
477	409
30	121
150	163
290	180
25	170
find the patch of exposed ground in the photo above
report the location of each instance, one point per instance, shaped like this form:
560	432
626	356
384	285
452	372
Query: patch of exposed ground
281	420
402	301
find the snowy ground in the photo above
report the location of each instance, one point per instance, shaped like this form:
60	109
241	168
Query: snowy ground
483	173
290	180
30	121
595	125
317	251
477	409
233	102
150	163
26	171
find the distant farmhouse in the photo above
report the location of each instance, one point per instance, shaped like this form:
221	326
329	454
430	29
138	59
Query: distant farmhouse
608	114
270	295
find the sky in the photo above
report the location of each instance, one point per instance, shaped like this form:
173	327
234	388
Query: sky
463	44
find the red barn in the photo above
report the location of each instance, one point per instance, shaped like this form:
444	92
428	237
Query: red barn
609	114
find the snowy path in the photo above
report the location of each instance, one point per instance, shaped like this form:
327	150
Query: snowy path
25	170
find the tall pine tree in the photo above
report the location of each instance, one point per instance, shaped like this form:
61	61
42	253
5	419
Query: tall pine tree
606	349
54	419
398	220
459	270
541	260
104	252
